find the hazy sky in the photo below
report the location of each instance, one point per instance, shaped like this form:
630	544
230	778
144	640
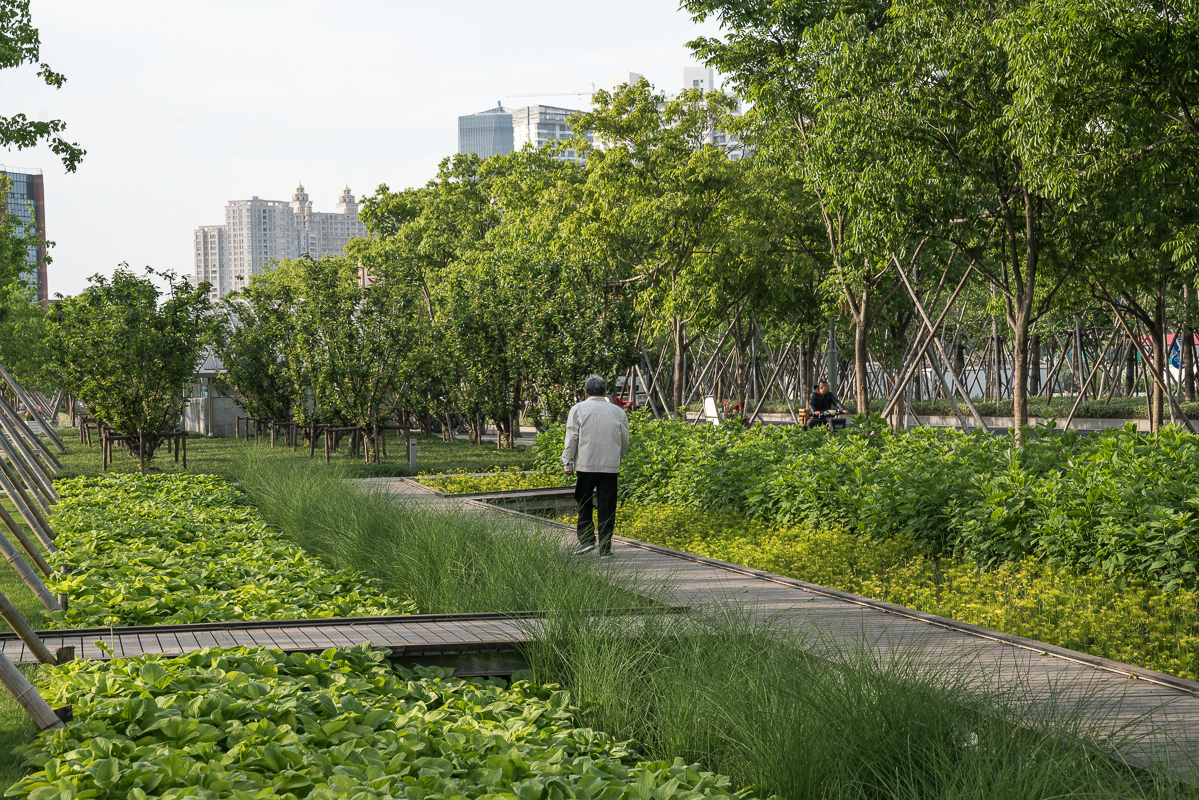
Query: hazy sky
184	106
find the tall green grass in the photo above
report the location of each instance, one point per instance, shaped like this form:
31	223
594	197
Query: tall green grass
739	693
743	696
446	560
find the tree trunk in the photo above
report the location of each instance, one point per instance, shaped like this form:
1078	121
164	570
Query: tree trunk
1130	369
1034	365
680	367
1186	348
860	365
1158	334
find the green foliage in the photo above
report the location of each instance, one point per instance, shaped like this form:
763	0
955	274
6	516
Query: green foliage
23	331
746	696
127	353
497	480
162	549
244	722
21	44
446	560
1133	623
1116	502
253	344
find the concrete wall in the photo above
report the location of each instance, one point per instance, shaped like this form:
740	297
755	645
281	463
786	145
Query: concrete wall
224	414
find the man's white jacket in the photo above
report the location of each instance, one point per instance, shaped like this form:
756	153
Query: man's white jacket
597	436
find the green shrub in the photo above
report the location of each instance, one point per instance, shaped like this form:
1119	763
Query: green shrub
498	479
247	723
1136	623
149	550
1120	502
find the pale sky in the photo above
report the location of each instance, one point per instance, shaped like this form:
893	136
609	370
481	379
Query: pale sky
183	106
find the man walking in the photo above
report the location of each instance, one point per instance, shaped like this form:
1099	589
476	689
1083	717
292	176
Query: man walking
597	438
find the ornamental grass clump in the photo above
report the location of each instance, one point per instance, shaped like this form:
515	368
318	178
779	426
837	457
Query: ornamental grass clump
159	549
242	722
797	715
447	559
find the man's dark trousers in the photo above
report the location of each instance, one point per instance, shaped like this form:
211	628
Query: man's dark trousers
603	484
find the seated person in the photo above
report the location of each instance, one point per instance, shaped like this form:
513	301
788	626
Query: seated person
821	404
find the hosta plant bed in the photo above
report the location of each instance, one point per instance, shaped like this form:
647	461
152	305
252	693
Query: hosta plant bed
254	723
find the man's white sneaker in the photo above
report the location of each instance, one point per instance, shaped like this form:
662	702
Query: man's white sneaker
584	550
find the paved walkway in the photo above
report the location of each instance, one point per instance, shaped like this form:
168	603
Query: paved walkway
1150	717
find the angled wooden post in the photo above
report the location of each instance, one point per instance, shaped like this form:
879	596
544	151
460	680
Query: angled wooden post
25	507
22	568
20	536
20	392
25	632
43	716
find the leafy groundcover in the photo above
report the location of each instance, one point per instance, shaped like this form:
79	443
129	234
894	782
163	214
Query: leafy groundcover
187	548
1118	503
256	723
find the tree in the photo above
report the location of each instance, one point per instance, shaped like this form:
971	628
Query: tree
23	331
128	353
253	343
774	55
352	341
20	44
665	203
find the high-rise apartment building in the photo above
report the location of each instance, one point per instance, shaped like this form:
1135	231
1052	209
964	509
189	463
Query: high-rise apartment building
487	133
257	232
542	125
24	196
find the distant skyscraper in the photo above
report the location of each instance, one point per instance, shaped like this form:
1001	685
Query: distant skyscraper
257	232
25	199
487	133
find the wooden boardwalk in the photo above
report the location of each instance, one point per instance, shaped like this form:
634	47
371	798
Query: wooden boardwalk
418	634
1151	718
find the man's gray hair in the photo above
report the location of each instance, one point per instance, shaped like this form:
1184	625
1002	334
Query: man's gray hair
595	386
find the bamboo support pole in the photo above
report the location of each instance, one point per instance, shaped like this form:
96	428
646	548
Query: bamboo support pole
25	632
43	716
933	336
38	484
20	452
1145	357
15	528
18	429
1083	391
25	507
20	392
31	579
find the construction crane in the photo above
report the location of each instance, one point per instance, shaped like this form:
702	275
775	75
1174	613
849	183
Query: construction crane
590	95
